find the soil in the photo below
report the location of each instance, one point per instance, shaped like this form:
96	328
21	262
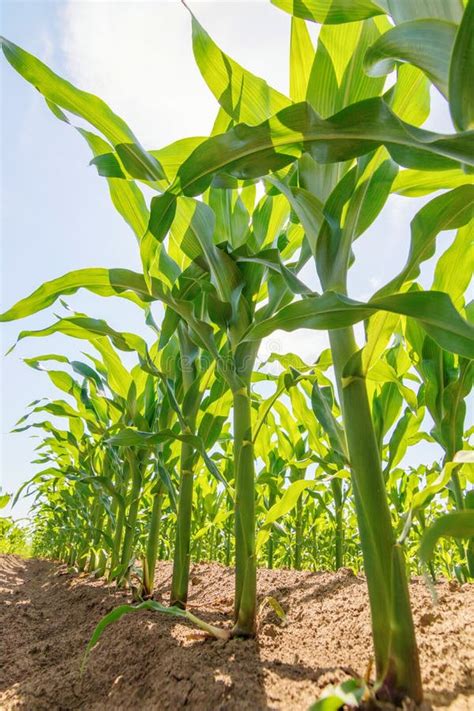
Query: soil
152	661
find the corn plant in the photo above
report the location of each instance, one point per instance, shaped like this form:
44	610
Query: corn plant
13	536
228	267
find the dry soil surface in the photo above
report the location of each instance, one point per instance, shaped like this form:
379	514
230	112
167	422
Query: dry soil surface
151	661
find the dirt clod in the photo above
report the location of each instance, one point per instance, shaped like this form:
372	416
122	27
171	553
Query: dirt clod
427	619
150	661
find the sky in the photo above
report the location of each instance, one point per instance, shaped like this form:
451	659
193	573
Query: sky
55	210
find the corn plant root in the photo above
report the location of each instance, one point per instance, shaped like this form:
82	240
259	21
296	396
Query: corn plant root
151	661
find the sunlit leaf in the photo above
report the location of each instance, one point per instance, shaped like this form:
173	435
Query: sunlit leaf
459	524
413	42
433	310
244	96
461	95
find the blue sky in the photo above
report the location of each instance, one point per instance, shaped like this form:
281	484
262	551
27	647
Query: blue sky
56	214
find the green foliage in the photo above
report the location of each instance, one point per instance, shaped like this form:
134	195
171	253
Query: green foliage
190	452
14	537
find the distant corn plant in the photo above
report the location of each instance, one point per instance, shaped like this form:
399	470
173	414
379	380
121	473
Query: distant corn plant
14	537
226	262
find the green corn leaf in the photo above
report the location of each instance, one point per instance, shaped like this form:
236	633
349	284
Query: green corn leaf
162	213
322	409
461	93
118	377
386	404
38	477
306	206
414	183
138	163
459	524
331	11
62	93
165	478
301	59
59	408
87	372
210	428
362	209
243	96
433	310
154	606
410	97
107	166
195	222
232	217
90	329
268	220
407	10
379	332
4	499
63	381
271	258
286	503
135	165
303	413
461	459
272	602
349	693
445	212
454	401
60	435
134	438
111	282
171	156
35	362
406	430
200	220
157	263
454	269
107	486
323	87
379	372
183	230
89	107
105	282
352	41
252	151
413	42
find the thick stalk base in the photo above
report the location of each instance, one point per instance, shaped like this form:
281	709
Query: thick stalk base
245	562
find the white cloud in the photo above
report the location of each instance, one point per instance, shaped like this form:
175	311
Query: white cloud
138	57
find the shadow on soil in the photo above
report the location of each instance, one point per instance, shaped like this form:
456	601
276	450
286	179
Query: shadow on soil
150	661
142	661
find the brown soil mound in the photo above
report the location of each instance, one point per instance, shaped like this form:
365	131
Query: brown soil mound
151	661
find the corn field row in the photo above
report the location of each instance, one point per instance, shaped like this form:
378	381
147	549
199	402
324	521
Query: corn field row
202	450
